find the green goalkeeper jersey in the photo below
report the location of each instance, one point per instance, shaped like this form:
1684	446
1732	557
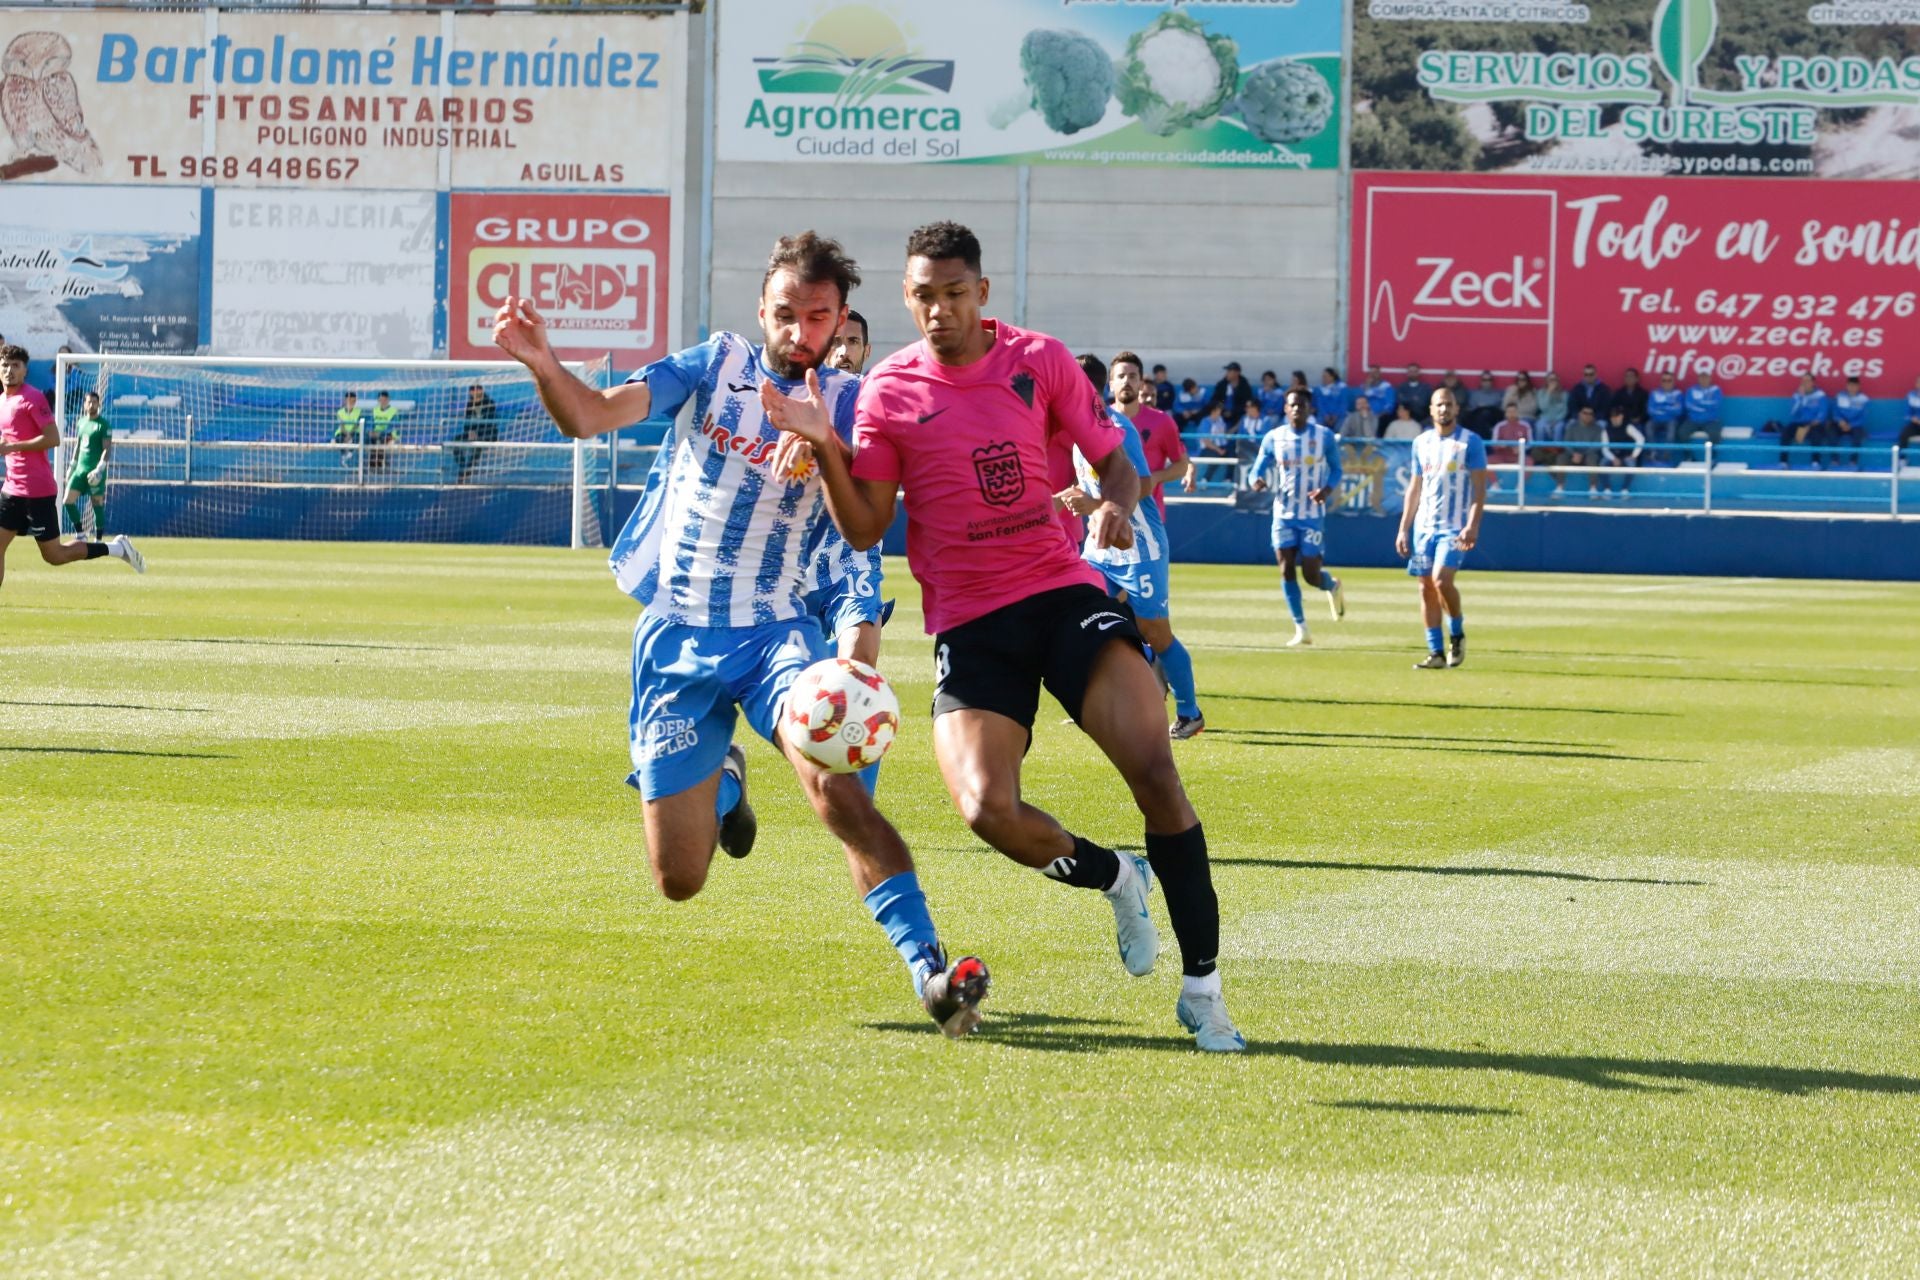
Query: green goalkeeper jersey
90	444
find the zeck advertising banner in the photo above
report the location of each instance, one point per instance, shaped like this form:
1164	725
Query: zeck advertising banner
346	100
1662	87
1251	82
1757	282
594	267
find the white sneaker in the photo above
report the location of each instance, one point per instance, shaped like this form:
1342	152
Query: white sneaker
123	549
1337	599
1300	637
1133	926
1205	1018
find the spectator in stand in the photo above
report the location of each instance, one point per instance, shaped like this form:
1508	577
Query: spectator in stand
1216	435
480	425
1271	395
1590	393
1806	421
1451	383
1404	425
1380	394
1163	389
1190	405
1483	406
1360	422
1849	427
1632	397
1703	408
1522	396
1665	404
1231	393
1510	427
1912	426
1550	423
1160	438
1331	399
1296	383
1584	429
1252	426
1416	395
1622	450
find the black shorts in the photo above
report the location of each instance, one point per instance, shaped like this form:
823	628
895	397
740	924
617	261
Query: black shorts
998	661
36	518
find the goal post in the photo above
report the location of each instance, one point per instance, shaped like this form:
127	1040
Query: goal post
359	450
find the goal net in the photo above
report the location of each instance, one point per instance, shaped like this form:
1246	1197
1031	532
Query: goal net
388	451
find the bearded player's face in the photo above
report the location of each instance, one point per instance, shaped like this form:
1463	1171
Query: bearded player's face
799	320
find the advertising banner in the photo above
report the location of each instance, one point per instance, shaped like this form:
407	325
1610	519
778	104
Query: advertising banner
1234	83
1649	87
1756	281
352	101
595	268
99	269
324	273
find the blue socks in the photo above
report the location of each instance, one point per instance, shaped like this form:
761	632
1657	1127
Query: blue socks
1457	625
1434	643
900	908
1292	590
1179	665
1328	582
728	796
870	778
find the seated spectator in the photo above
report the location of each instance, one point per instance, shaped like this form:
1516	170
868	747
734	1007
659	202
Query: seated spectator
1163	389
479	425
1451	382
1703	409
1231	393
1404	425
1584	429
1360	422
1416	395
1550	423
1623	443
1510	427
1522	396
1252	426
1216	434
1331	399
1483	406
1380	394
1806	420
1632	397
1589	393
1848	430
1190	405
1912	425
1665	404
1271	395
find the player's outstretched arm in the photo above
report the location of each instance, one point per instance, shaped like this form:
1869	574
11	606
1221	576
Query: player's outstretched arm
1111	522
861	509
580	411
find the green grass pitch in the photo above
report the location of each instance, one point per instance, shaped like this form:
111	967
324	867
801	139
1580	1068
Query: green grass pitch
328	948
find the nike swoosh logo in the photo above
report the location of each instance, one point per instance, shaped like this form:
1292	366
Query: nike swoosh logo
929	417
1109	624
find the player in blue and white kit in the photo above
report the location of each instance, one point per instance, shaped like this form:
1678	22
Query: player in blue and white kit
1141	573
1445	500
1300	461
715	552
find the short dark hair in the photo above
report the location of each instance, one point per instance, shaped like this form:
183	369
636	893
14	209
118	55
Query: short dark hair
13	351
349	395
1302	392
815	259
1095	368
938	240
1126	357
854	317
386	395
1159	368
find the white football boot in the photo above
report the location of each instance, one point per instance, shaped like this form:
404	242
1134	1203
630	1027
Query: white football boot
1133	925
1204	1015
123	549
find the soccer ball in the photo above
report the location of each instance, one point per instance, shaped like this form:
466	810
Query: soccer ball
842	715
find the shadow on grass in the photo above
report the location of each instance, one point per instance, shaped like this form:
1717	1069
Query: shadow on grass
1417	1108
1633	1075
117	751
1287	738
1414	737
304	644
1432	706
99	706
1525	873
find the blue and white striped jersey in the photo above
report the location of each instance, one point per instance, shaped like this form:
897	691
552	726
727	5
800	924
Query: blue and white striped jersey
1446	465
717	539
834	560
1149	531
1294	464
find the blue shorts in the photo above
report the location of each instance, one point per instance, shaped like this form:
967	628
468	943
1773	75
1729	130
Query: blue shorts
1145	583
1308	535
686	684
845	604
1431	550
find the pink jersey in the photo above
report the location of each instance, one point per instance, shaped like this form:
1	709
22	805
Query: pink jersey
23	416
1160	437
971	449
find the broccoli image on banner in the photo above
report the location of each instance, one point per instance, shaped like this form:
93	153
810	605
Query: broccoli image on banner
1174	75
1284	101
1069	80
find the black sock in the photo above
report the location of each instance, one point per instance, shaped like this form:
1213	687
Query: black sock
95	550
1090	867
1186	883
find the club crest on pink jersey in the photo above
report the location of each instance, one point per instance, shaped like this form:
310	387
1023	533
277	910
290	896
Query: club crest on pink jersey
997	467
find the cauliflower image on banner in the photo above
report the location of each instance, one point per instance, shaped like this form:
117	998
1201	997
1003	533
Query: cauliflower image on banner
1174	75
1284	101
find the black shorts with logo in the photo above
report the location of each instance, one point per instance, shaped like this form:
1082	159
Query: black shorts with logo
998	661
36	518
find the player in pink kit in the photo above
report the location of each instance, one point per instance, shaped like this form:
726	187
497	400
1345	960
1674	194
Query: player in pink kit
28	499
964	425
